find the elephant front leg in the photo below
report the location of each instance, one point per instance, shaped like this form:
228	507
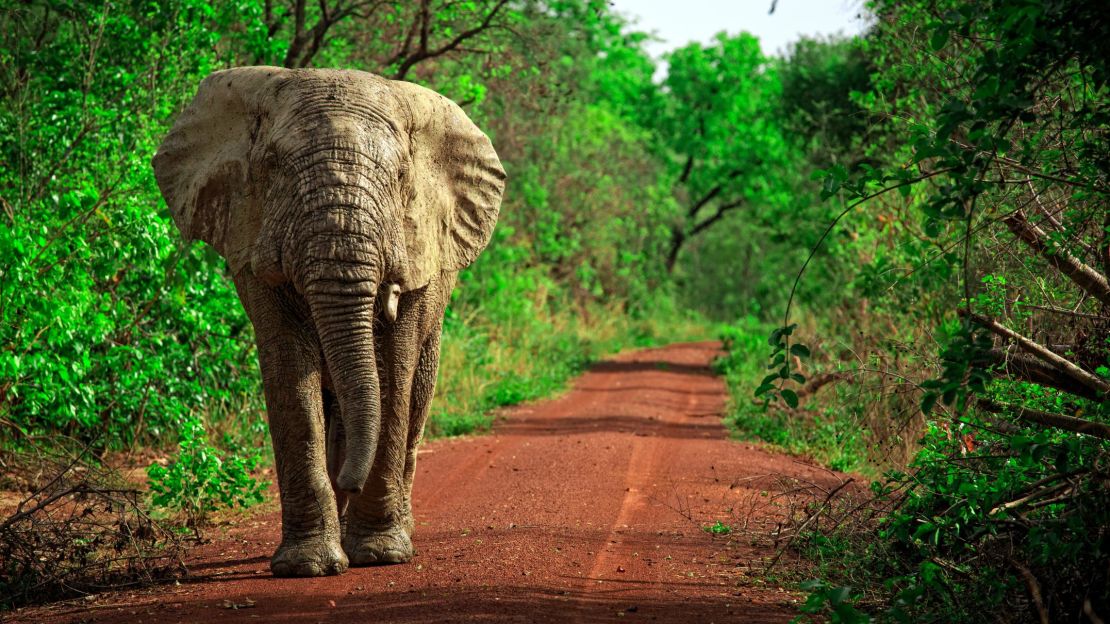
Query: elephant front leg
374	527
290	360
423	389
424	384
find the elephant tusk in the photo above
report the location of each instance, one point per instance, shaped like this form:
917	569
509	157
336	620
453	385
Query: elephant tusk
393	299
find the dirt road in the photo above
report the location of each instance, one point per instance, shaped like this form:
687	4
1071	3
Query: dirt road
585	508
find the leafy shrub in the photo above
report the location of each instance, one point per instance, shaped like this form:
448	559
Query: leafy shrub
201	479
832	436
1017	525
111	328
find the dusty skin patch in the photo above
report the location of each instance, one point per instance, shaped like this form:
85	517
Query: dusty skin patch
586	508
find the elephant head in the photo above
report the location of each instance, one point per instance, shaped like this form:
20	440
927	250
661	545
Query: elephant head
343	185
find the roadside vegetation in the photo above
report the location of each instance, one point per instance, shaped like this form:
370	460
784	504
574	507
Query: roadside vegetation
902	239
957	350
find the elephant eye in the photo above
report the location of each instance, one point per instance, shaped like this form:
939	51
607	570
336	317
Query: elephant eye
270	157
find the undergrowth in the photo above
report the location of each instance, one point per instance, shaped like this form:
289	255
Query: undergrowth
78	527
524	344
830	435
987	520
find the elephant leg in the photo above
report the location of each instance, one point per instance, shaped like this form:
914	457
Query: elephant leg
289	355
424	383
336	445
423	389
374	531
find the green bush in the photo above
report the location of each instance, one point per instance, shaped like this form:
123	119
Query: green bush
112	330
201	479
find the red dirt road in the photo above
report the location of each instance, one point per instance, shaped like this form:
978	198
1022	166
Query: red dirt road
581	509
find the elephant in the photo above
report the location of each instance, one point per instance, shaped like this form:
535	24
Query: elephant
345	204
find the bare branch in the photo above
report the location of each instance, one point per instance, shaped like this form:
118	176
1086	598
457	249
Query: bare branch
1059	421
1066	367
423	54
686	169
714	192
1086	277
717	216
298	35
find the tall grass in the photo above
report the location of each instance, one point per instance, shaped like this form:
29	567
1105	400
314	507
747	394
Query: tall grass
489	361
855	415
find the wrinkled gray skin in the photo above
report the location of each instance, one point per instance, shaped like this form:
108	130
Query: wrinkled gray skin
345	205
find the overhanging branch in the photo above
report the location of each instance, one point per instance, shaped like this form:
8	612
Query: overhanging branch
717	216
1029	369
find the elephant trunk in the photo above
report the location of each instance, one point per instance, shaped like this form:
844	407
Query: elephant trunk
344	322
337	257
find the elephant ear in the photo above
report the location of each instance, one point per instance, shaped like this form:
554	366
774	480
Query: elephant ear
202	164
457	183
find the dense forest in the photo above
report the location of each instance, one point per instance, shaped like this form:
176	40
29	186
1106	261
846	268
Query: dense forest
901	238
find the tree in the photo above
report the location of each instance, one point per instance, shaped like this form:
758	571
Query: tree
716	131
388	36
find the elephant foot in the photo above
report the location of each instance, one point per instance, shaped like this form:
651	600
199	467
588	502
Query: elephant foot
379	548
316	557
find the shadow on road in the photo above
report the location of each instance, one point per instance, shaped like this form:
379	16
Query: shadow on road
709	428
650	365
505	603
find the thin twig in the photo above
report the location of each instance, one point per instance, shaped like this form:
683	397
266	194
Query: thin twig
805	524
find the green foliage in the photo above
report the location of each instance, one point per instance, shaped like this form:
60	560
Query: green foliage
715	126
963	538
975	181
833	437
717	528
822	86
836	602
110	329
201	479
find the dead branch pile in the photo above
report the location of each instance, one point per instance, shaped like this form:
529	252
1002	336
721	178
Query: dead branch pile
78	529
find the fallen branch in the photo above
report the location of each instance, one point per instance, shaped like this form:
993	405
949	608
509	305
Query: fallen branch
1059	421
1084	276
1055	310
1025	500
1030	369
813	516
819	381
1089	380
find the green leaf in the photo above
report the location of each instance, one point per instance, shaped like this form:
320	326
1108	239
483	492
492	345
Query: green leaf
939	38
799	350
790	397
